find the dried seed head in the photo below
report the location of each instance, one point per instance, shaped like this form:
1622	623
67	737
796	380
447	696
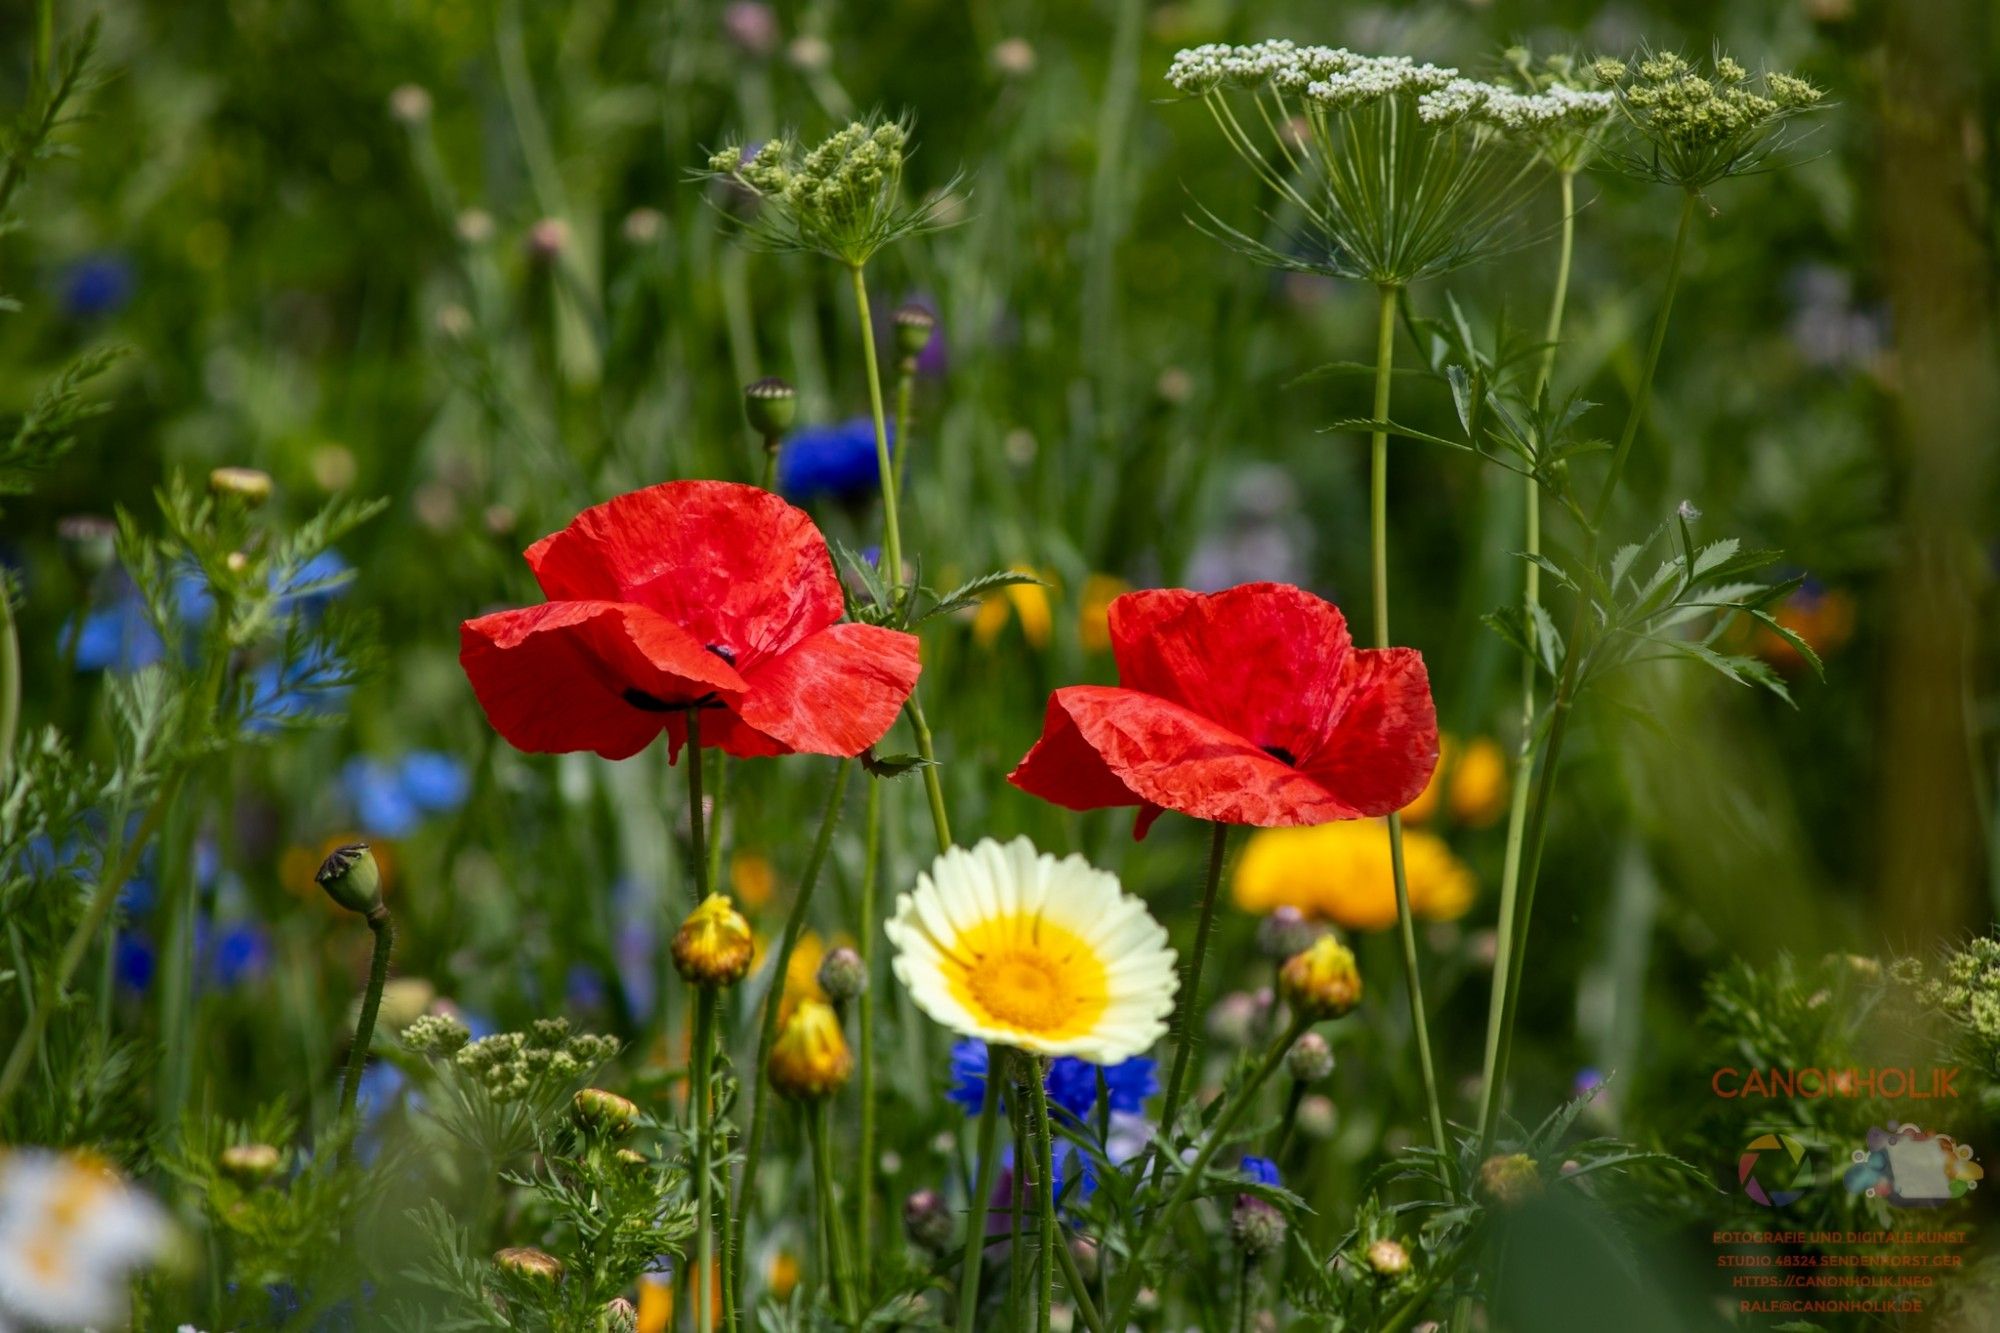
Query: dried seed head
914	325
352	879
770	405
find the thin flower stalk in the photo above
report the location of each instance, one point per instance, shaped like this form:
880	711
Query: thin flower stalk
1187	1024
871	876
384	930
701	1076
1378	528
987	1153
839	1276
746	1190
1562	704
1045	1189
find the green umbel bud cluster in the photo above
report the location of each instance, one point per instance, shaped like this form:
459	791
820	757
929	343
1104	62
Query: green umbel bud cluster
436	1034
513	1065
1698	127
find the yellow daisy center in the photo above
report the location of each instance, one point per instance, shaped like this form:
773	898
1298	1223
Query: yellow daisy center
1030	975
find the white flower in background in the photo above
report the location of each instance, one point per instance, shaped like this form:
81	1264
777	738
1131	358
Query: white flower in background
1042	954
71	1232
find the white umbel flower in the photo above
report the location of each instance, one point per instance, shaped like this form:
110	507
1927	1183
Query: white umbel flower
1047	955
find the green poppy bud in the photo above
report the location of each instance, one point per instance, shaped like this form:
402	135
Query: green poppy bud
770	405
352	879
842	975
913	329
90	541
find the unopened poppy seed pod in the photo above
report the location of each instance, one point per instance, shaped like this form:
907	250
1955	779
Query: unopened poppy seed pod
770	405
842	974
90	542
242	483
537	1267
1321	982
913	329
713	947
1310	1059
249	1163
605	1112
810	1059
352	879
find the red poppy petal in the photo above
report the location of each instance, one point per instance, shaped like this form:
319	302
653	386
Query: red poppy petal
722	730
563	676
1265	660
837	692
1065	769
1383	749
1121	747
733	565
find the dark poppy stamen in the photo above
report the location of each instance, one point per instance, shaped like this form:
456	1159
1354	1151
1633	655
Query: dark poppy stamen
1281	754
721	652
649	703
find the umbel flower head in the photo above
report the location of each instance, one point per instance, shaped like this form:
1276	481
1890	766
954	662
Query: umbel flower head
1248	706
688	595
1691	128
842	198
1397	178
1021	949
713	946
810	1059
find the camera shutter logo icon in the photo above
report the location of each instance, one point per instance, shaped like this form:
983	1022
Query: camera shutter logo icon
1774	1170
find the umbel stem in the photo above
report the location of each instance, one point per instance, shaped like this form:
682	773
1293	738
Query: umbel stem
1560	707
1378	531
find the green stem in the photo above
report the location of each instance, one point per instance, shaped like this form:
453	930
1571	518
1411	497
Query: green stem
102	900
1289	1122
1243	1297
1045	1190
871	874
768	1028
842	1276
1531	588
1086	1308
982	1193
697	817
702	1075
715	826
1162	1223
384	928
770	475
10	681
1378	528
1017	1272
1187	1023
906	390
933	786
1567	683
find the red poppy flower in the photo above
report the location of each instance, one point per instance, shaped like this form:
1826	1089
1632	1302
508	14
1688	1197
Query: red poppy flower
1249	706
688	595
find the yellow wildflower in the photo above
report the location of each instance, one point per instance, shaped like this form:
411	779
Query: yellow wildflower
1476	776
1340	872
1026	602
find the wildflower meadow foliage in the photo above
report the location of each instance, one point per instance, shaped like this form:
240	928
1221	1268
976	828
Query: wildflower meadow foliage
775	667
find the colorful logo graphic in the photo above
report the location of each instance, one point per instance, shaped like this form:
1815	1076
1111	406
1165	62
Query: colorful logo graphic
1907	1168
1773	1170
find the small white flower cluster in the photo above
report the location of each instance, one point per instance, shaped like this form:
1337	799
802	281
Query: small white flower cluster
1329	74
1556	107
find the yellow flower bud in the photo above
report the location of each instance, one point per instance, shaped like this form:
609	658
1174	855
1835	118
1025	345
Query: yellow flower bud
530	1265
606	1111
1321	982
713	946
810	1059
244	483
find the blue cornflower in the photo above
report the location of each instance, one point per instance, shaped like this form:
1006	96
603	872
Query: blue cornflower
238	952
96	285
833	461
1260	1169
392	797
116	637
311	684
1071	1083
312	585
133	961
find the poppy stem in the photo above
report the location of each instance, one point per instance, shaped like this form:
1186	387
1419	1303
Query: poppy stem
774	994
10	679
1567	684
838	1279
1187	1026
384	928
701	1076
1531	588
697	818
982	1194
1045	1189
1378	528
871	874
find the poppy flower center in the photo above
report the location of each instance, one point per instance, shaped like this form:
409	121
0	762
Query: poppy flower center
1282	755
721	652
1030	975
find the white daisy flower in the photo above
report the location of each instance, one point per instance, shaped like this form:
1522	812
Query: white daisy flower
1043	954
71	1230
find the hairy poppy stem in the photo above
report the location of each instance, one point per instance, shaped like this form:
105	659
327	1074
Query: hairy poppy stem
1378	525
697	819
701	1075
774	995
871	874
1186	1022
384	928
1531	588
1492	1094
839	1277
982	1194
